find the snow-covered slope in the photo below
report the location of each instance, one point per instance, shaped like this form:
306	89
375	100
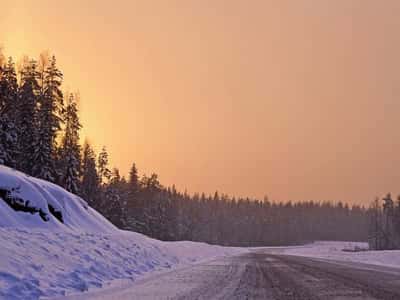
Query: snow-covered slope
55	244
40	196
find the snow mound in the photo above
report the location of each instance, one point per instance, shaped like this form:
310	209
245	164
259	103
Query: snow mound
53	244
28	202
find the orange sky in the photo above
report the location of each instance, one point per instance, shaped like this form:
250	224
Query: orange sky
296	99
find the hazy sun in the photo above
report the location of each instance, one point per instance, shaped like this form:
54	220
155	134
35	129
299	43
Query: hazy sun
14	37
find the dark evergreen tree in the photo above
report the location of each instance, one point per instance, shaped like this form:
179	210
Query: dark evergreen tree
134	208
153	210
70	152
112	206
133	180
396	217
90	180
8	114
27	121
49	119
102	166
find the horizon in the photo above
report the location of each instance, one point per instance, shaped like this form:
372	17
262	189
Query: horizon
270	99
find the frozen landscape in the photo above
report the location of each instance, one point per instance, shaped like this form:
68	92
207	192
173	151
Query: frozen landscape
199	150
62	247
49	258
265	274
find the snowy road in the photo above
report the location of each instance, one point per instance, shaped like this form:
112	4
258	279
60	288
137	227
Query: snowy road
265	276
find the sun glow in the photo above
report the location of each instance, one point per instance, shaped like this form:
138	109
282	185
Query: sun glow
17	41
15	45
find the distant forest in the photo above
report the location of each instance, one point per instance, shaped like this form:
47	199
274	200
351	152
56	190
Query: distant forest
39	135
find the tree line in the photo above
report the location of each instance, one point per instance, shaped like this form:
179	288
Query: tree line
384	224
39	135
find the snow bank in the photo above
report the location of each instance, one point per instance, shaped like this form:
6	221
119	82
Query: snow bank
43	256
340	251
35	263
40	196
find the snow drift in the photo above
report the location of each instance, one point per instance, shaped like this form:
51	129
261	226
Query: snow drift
53	243
28	202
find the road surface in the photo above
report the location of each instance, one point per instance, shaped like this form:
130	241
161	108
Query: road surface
261	275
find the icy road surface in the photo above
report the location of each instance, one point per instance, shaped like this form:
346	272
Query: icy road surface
261	275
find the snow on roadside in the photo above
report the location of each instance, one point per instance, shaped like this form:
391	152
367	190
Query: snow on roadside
43	256
44	263
40	195
334	251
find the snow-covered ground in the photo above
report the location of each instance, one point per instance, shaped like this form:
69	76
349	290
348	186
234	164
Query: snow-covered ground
39	195
36	263
40	256
334	251
57	245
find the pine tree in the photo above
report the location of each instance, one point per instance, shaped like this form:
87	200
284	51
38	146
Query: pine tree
124	195
152	212
133	180
112	206
111	190
70	148
397	218
8	114
134	209
27	109
102	165
90	179
388	210
49	121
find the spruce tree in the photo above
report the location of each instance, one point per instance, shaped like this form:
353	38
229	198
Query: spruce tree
132	202
8	114
49	121
133	179
90	179
112	205
70	151
27	122
153	210
102	165
134	208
